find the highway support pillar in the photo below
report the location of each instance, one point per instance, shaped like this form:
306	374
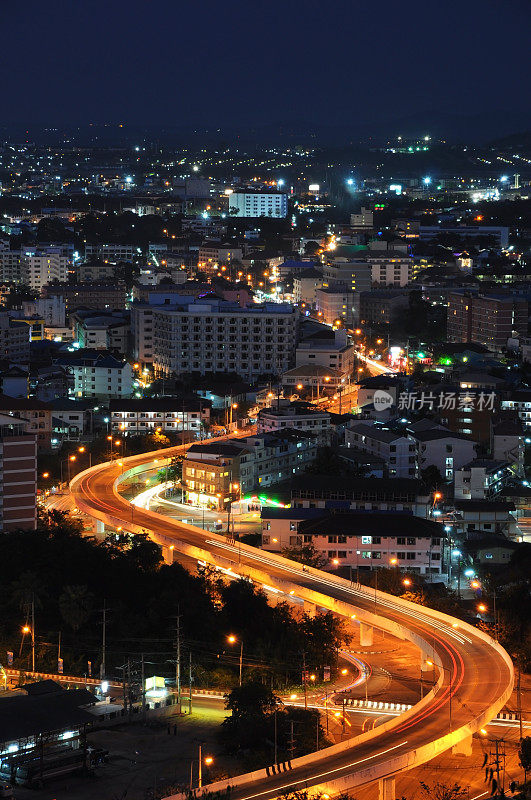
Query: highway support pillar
167	554
424	666
99	526
463	748
386	788
366	635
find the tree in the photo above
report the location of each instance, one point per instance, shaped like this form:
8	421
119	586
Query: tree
75	605
252	699
431	477
306	554
443	791
524	754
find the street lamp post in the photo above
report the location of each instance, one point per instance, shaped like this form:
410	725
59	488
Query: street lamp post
232	639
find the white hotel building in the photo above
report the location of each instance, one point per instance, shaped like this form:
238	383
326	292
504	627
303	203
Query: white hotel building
258	204
220	336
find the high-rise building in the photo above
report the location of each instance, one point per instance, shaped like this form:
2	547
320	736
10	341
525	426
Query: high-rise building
221	336
488	319
258	204
46	266
18	475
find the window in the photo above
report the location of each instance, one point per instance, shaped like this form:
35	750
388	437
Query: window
411	556
411	540
400	539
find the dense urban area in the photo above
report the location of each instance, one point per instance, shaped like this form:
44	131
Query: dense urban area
326	349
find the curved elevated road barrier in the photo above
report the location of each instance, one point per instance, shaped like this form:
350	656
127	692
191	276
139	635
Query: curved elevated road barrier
475	674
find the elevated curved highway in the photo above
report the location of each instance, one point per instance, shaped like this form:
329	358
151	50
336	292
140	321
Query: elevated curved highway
475	674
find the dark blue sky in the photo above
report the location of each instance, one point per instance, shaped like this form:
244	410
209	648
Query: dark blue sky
238	63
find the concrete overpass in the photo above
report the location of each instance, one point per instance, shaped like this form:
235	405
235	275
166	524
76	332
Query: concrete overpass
475	674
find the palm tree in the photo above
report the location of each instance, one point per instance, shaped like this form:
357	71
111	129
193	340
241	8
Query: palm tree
75	605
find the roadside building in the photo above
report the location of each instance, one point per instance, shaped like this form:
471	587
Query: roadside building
134	417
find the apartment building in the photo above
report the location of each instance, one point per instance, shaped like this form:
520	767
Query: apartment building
344	492
398	450
305	284
326	348
13	265
18	475
221	336
336	305
258	204
481	479
390	267
94	271
111	252
46	266
97	373
215	255
102	330
216	474
36	416
488	319
98	296
166	414
14	339
361	540
354	275
382	306
444	449
298	416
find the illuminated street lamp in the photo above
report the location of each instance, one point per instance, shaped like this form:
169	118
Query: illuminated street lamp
407	581
232	639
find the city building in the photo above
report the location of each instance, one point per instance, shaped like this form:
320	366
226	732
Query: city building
14	339
481	479
443	449
36	415
299	416
102	330
258	204
314	377
94	271
382	306
46	266
305	284
111	252
98	296
489	319
51	310
336	305
364	540
135	417
18	475
354	275
97	373
390	267
361	494
213	335
399	450
327	348
213	256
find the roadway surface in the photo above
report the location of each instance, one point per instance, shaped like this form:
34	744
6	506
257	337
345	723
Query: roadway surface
475	676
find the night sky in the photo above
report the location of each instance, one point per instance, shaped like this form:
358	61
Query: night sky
236	63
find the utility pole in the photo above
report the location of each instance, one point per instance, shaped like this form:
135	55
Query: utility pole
33	633
143	679
519	700
129	687
103	642
276	748
304	680
190	678
291	741
178	657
